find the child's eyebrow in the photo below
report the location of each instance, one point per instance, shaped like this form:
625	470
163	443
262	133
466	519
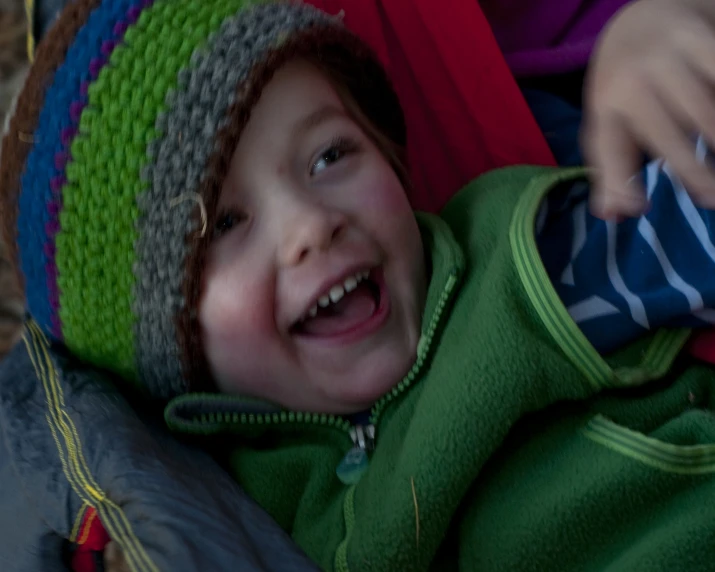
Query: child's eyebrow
317	118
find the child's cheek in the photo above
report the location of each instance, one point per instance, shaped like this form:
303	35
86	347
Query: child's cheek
232	307
383	195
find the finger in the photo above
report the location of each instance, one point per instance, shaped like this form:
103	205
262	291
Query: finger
698	48
611	150
659	132
687	93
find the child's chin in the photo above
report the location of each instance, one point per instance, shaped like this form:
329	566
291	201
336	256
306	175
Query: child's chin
379	383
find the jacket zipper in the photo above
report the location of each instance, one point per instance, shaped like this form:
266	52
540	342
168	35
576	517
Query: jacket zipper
356	460
363	437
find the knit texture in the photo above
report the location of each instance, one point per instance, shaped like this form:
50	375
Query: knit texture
18	140
216	70
131	109
44	176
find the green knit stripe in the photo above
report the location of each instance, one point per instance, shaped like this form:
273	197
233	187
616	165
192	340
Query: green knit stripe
679	459
95	248
538	285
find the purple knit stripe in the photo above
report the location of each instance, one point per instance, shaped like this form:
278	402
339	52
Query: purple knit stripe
61	159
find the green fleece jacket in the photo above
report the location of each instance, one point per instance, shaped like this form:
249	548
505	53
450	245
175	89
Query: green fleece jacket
510	445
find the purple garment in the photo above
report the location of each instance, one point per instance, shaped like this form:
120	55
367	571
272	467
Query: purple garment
543	37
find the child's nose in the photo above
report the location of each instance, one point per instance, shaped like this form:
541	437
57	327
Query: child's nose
309	230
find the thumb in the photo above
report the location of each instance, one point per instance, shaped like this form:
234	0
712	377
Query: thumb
615	158
114	560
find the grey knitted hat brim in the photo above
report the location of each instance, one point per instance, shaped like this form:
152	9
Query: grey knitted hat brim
197	110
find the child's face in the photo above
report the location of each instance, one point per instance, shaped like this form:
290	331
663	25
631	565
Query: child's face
309	207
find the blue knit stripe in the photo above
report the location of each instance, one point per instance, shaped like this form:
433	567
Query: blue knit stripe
46	161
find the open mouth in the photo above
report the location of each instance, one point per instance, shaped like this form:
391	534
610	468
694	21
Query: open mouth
345	308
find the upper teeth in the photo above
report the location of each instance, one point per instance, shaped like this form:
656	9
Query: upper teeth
336	293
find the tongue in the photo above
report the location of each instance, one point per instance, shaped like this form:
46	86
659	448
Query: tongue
353	309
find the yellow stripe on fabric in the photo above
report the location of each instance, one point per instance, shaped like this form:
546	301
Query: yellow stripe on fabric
79	519
74	464
87	528
30	16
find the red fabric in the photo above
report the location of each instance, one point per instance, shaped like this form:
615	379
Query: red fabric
465	114
91	538
703	346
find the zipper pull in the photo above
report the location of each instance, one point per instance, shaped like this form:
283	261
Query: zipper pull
355	462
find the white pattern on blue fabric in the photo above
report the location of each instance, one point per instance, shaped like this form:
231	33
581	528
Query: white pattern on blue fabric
652	170
635	304
690	212
579	239
648	232
593	307
618	281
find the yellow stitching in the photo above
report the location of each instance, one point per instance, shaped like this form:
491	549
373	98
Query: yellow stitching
65	468
73	436
98	496
60	451
69	469
30	14
129	552
114	519
72	479
87	528
120	537
125	537
78	521
70	433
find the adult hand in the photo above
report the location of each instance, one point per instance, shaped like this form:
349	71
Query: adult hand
650	89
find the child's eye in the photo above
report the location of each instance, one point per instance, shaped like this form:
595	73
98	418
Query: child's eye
227	222
336	151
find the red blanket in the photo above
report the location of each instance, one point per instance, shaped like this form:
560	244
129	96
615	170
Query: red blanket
465	114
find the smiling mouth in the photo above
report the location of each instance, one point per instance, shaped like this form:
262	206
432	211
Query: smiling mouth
345	311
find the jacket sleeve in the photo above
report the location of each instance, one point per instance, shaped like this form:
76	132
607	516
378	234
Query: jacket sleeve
77	445
27	542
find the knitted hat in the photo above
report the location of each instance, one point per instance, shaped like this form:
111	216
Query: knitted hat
131	112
